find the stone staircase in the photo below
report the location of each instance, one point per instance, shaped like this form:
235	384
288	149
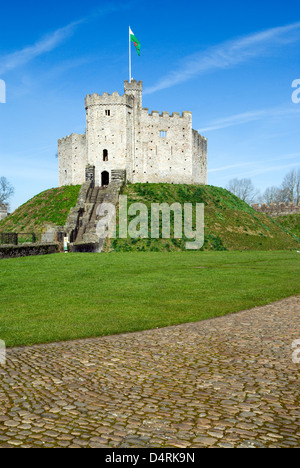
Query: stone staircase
81	225
88	220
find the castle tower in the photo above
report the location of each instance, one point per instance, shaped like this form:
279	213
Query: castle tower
107	130
123	137
134	89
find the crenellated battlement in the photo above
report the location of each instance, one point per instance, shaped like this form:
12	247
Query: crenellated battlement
133	86
106	99
70	137
64	139
198	136
166	114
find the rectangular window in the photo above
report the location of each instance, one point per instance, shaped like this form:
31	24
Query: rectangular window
107	112
163	134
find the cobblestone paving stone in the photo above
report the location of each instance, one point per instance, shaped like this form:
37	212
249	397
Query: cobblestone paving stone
225	382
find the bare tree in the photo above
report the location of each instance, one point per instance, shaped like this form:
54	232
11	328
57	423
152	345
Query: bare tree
298	187
289	185
275	195
288	192
6	190
244	189
271	195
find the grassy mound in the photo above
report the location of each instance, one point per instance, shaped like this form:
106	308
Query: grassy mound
230	224
290	222
50	207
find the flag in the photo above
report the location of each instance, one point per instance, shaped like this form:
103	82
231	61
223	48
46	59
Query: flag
135	41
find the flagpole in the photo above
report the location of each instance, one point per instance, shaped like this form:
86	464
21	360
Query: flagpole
129	57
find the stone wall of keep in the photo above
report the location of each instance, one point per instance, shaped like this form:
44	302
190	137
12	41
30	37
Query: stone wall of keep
72	159
164	159
199	158
64	160
134	144
79	159
117	126
108	119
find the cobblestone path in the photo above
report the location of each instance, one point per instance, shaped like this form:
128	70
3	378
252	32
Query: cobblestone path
226	382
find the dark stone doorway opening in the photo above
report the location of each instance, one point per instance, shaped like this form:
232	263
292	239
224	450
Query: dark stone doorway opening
104	178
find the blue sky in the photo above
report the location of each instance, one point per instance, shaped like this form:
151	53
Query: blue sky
231	63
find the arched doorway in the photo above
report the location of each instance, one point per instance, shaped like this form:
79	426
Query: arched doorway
104	178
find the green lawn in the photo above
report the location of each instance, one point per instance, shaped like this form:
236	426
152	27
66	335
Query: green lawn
63	297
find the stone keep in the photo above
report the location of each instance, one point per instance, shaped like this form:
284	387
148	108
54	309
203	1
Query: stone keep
122	136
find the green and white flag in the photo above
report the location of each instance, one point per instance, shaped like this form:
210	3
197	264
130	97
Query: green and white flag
136	42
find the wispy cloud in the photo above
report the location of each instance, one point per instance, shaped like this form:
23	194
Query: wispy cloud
247	117
257	167
263	164
228	54
267	169
47	44
229	167
50	42
233	120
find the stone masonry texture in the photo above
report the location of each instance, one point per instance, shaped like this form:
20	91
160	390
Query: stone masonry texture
122	135
225	382
3	211
277	209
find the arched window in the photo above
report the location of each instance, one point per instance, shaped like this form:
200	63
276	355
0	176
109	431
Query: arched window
105	155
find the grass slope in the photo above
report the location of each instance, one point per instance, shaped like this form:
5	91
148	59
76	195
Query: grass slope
50	207
64	297
230	224
290	222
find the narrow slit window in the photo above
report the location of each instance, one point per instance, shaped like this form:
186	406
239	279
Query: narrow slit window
107	112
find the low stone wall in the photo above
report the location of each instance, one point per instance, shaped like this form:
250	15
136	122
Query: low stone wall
280	209
84	247
26	250
53	234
